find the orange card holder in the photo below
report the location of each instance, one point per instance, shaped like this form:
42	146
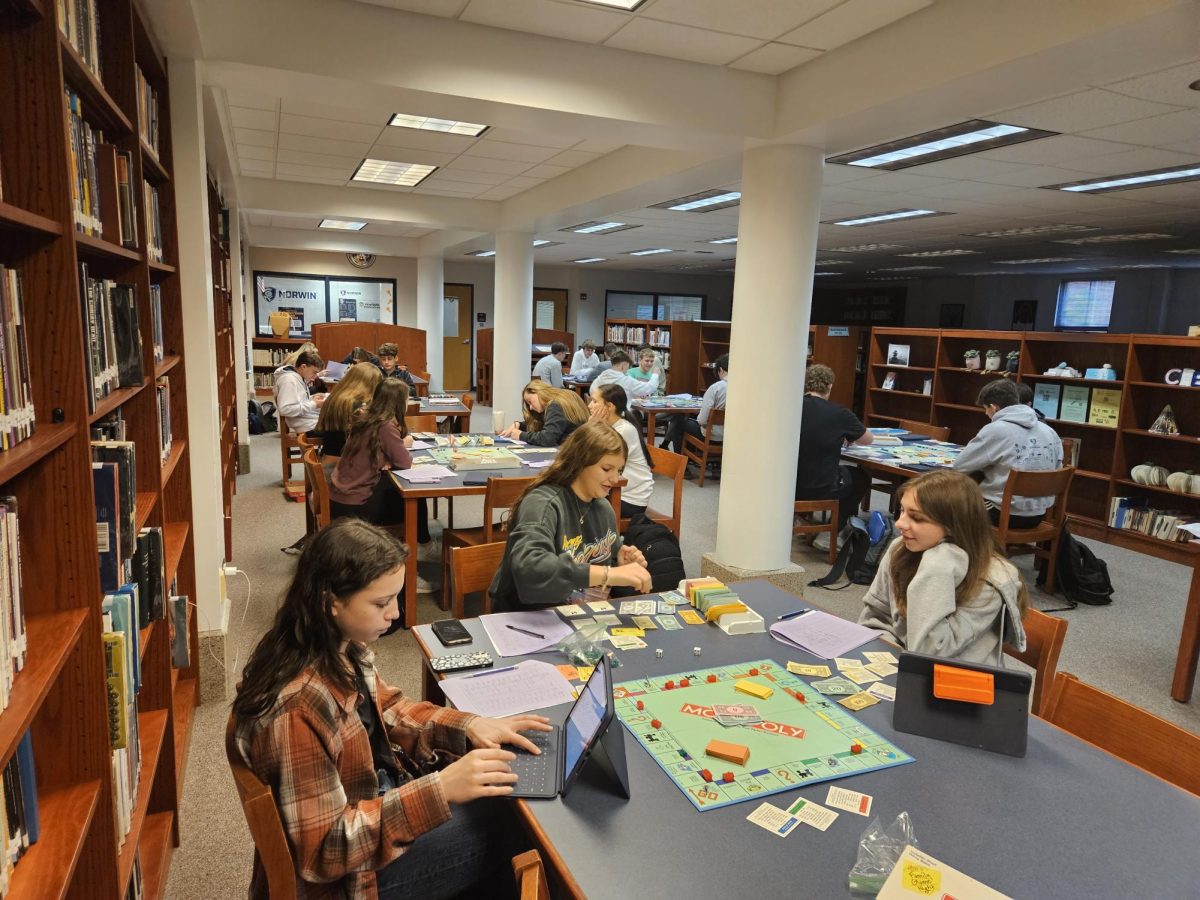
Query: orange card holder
965	685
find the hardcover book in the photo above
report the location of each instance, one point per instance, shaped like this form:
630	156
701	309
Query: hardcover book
1074	403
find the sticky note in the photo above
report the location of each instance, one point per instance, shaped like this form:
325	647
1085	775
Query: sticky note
585	672
920	879
568	672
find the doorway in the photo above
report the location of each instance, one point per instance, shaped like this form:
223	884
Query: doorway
458	314
550	308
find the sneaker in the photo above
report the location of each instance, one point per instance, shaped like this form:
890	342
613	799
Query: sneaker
430	551
425	587
821	541
296	548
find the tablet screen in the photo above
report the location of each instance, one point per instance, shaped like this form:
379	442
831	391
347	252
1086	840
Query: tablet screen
587	719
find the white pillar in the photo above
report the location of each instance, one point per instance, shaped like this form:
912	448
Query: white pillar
199	337
514	320
241	339
772	301
429	315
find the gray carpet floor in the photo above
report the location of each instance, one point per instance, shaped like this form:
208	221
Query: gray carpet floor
1127	648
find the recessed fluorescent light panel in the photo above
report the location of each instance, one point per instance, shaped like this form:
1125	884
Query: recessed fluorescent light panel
650	251
383	171
482	253
1116	238
599	227
428	123
1038	259
732	239
820	274
629	5
338	225
890	216
933	254
543	243
1152	178
974	136
591	259
909	268
1034	229
861	248
705	201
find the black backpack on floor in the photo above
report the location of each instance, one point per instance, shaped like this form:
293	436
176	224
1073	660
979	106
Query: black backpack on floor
261	417
664	559
863	543
1082	576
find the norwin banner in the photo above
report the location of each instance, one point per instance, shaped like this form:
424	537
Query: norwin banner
306	297
362	300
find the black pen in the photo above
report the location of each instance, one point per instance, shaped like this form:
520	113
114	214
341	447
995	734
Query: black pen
792	615
526	631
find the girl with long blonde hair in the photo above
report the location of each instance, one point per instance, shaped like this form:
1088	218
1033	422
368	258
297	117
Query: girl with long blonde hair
551	414
347	399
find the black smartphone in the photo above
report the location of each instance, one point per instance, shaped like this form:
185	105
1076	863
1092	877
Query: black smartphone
451	632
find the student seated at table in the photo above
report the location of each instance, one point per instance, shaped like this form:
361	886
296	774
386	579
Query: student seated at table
349	397
824	429
293	402
551	414
360	354
647	363
606	356
562	535
714	398
585	359
379	794
361	486
389	364
608	405
1014	439
549	367
619	374
944	588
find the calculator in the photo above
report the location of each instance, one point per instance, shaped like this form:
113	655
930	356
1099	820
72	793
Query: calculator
459	661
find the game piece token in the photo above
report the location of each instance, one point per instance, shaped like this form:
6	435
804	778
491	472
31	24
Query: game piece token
727	778
706	774
658	652
641	706
753	672
860	700
773	819
691	617
670	685
811	671
711	679
655	723
882	691
685	682
855	748
851	801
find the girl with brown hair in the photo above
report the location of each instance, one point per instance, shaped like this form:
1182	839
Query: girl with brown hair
551	414
348	398
944	587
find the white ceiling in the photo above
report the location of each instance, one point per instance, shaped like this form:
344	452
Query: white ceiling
576	136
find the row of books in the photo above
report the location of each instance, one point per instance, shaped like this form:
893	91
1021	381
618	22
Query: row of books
638	335
271	356
13	642
1077	403
154	228
1135	514
85	180
78	22
123	730
114	338
162	390
156	323
264	380
19	820
16	391
147	106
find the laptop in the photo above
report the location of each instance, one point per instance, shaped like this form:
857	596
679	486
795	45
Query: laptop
587	733
972	704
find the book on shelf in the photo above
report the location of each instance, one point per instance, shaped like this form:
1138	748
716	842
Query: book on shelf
154	229
1136	514
156	322
118	605
1045	399
12	605
85	182
126	203
16	390
111	427
147	106
149	571
136	885
124	736
20	823
80	25
105	476
122	454
1105	408
1074	403
927	385
180	654
117	685
162	390
127	335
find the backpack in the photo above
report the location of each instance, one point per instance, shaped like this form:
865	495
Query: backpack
664	559
1082	576
261	417
863	542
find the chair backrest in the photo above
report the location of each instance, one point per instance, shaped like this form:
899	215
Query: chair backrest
421	423
937	432
462	424
472	570
670	465
715	417
501	494
1053	483
1126	731
1070	454
531	876
1043	643
271	846
315	471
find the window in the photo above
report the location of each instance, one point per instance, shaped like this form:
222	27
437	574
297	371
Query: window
636	305
1084	305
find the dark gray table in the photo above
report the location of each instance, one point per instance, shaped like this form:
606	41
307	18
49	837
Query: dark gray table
1066	821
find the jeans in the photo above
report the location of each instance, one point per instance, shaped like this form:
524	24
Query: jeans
628	510
385	506
469	855
677	426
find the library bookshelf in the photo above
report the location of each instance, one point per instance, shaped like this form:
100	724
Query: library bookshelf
60	694
268	354
224	359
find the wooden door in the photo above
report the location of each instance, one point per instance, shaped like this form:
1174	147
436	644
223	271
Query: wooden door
547	303
456	346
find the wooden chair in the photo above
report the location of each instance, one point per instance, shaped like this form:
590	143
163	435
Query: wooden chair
314	470
1138	737
471	570
292	454
1070	451
888	486
805	509
1042	539
937	432
462	424
271	846
701	450
421	423
531	876
500	495
1043	643
669	465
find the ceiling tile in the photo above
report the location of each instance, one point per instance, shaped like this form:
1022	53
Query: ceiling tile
468	177
545	171
752	18
506	167
256	167
1156	131
681	42
532	138
253	138
1081	111
323	145
318	159
1054	150
326	128
294	222
500	193
775	59
1139	160
514	152
261	219
250	99
446	8
849	21
896	181
574	22
409	155
262	119
335	113
523	182
392	136
572	158
444	191
245	151
1165	86
313	171
598	145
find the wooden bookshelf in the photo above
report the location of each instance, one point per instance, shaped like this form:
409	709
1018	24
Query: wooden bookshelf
841	348
218	226
50	473
272	343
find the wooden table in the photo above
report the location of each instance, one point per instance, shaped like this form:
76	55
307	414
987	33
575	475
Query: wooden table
995	817
582	388
458	410
652	411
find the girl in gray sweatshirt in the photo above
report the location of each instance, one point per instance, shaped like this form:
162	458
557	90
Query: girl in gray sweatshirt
944	588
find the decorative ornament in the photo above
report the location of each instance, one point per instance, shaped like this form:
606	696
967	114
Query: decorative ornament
992	364
1149	473
1014	360
361	260
1165	423
971	359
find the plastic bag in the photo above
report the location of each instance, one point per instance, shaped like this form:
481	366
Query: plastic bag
583	648
878	851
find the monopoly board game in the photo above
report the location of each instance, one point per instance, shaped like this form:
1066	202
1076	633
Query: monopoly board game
796	743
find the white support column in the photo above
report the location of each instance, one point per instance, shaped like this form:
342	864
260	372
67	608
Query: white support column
429	314
199	337
514	320
241	339
772	301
